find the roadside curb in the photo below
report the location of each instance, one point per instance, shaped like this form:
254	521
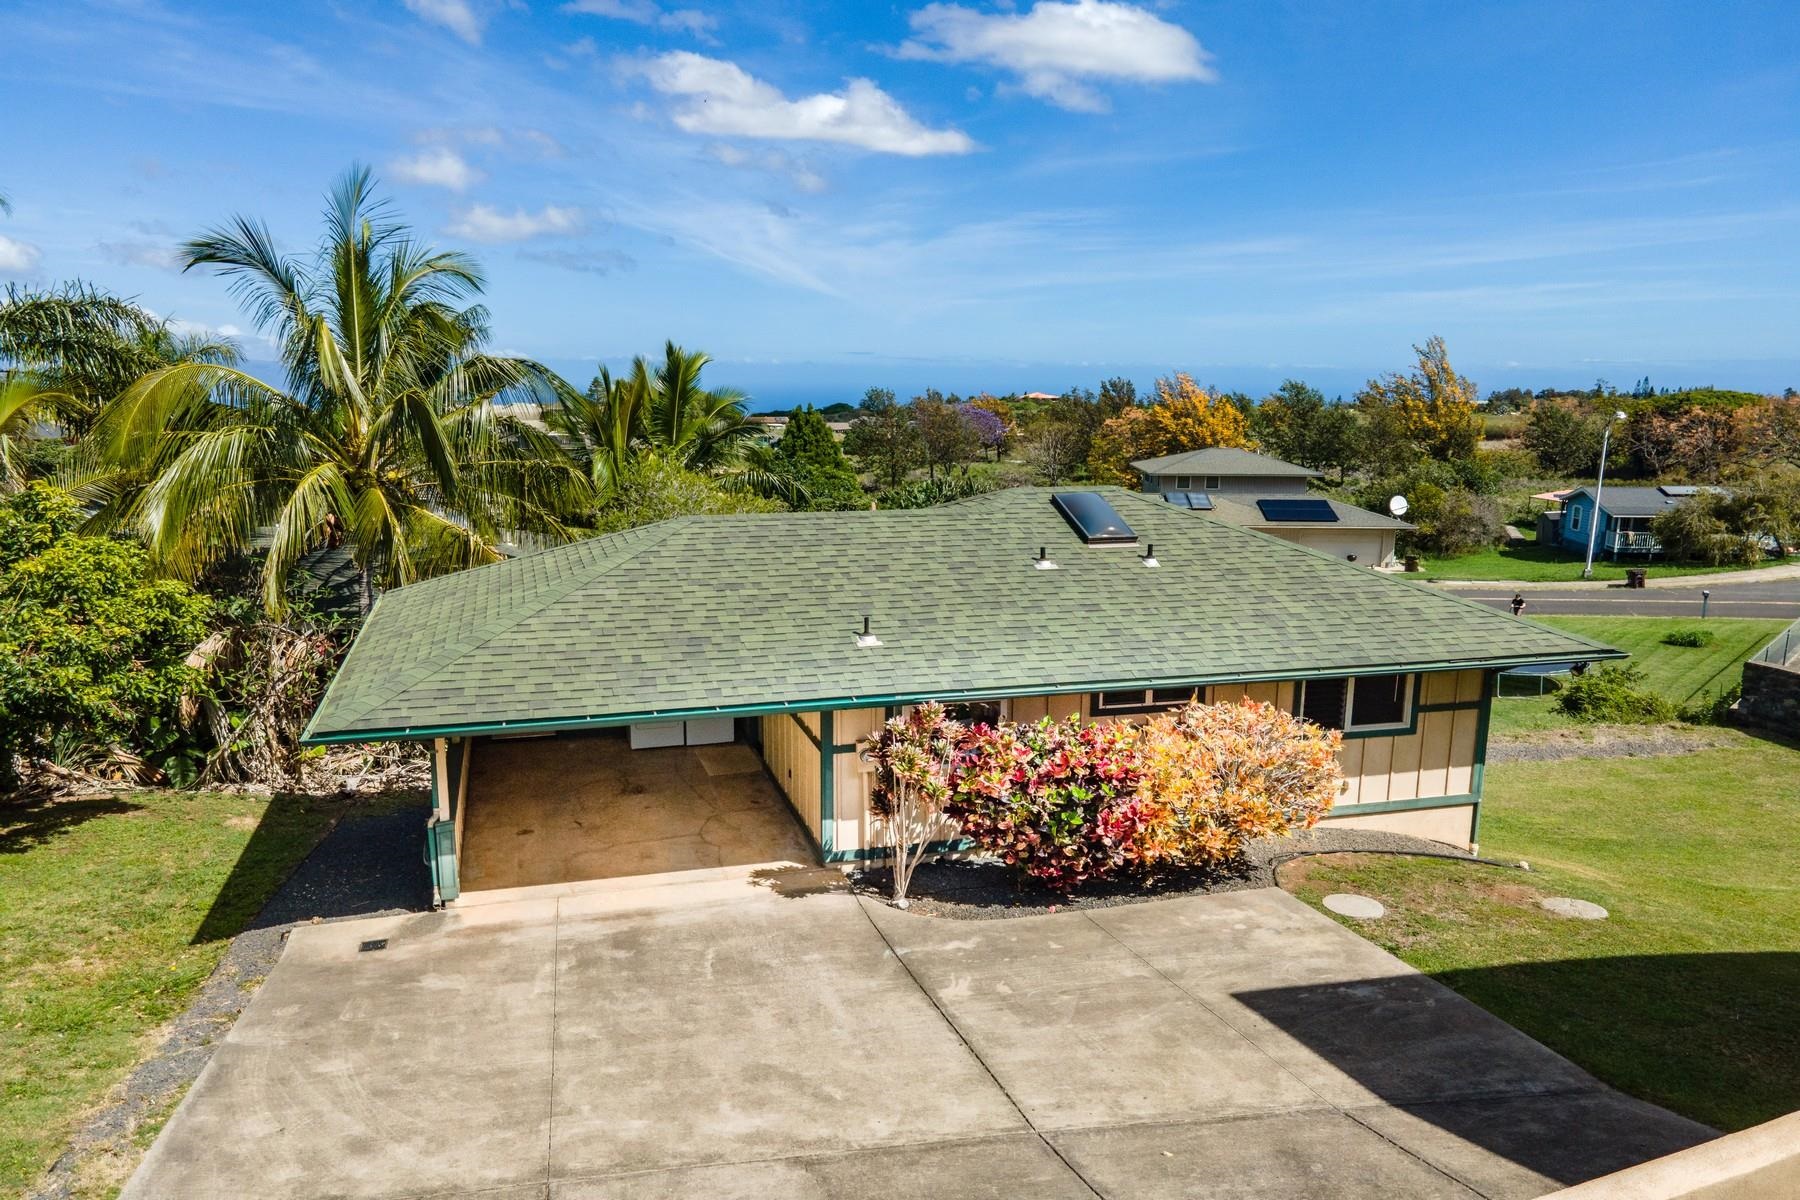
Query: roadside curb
1694	582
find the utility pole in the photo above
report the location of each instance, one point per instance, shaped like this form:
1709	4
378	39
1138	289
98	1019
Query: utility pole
1587	571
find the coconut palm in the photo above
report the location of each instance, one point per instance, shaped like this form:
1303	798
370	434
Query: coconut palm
664	410
392	435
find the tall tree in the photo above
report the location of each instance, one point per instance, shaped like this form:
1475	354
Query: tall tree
883	436
1427	413
393	434
945	433
1185	416
663	410
809	452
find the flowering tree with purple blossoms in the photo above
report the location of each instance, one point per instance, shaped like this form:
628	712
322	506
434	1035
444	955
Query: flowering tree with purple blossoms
988	428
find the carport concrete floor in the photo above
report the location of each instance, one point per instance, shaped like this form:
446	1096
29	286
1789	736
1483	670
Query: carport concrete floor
588	807
725	1039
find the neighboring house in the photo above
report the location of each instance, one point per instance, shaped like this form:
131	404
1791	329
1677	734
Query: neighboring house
1624	519
1270	495
752	628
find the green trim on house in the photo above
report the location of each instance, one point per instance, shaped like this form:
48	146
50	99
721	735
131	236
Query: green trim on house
1387	806
827	784
869	853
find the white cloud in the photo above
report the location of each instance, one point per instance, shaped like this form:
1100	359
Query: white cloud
437	166
16	256
458	16
1056	47
722	98
136	252
645	12
482	223
774	162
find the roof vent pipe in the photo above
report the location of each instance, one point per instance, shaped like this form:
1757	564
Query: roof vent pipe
867	638
1150	555
1043	559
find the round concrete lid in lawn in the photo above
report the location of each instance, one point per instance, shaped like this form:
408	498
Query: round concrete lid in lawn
1568	906
1363	908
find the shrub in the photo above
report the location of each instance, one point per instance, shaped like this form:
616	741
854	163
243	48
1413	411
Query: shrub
1689	637
1058	800
914	756
924	493
1614	694
1712	708
93	647
1216	775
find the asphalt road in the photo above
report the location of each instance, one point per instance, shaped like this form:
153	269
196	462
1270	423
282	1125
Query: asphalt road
1774	599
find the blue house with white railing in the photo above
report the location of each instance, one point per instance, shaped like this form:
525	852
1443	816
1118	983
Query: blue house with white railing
1624	515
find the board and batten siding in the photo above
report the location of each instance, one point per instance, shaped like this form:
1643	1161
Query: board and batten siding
1392	781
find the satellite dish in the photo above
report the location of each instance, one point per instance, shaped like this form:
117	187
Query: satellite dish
1398	505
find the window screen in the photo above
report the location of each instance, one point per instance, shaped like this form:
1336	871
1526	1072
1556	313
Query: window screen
1322	702
1378	700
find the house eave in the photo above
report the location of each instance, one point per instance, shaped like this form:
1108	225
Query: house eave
570	724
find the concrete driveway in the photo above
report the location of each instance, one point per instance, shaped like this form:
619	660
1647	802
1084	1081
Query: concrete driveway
725	1040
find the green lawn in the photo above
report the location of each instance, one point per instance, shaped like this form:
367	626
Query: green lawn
112	912
1689	996
1682	673
1532	563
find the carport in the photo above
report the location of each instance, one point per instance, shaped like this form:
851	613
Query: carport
586	808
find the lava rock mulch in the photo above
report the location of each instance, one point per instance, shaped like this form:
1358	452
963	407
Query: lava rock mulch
353	872
984	890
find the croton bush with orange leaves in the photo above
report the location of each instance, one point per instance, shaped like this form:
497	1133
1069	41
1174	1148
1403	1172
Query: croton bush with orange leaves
1071	804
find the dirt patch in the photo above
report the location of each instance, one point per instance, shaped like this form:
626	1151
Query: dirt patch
1604	741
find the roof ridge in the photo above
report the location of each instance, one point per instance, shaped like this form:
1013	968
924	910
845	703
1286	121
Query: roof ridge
486	632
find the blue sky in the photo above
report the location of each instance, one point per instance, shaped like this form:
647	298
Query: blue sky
828	196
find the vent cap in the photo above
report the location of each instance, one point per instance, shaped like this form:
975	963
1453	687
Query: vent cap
1093	519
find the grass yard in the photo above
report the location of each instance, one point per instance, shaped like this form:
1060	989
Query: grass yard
112	912
1532	563
1682	673
1689	995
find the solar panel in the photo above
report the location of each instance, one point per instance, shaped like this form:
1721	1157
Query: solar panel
1678	490
1297	510
1093	518
1198	501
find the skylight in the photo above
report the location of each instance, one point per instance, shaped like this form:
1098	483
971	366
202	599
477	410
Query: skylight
1096	521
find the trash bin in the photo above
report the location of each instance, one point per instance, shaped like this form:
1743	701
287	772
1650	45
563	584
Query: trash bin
1412	562
1634	577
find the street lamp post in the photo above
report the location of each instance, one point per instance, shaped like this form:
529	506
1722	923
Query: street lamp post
1587	571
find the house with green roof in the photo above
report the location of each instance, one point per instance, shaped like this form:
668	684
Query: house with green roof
1260	492
795	635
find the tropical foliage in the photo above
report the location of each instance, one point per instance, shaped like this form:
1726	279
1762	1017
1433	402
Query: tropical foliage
663	410
809	454
1071	804
1615	694
393	435
655	489
93	648
913	756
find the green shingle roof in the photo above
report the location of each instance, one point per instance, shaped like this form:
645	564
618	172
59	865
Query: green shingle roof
1222	460
759	612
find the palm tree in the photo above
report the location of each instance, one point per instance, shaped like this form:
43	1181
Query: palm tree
392	435
665	411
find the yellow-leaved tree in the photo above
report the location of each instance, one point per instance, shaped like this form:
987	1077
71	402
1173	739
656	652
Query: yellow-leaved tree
1428	413
1184	416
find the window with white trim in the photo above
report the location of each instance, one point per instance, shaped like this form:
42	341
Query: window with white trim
1142	700
1360	704
1574	518
1212	483
1184	483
